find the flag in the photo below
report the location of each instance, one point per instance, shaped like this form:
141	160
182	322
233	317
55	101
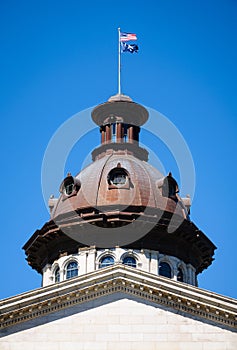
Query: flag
127	37
129	47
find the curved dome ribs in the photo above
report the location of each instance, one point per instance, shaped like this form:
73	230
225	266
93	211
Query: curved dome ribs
97	190
118	189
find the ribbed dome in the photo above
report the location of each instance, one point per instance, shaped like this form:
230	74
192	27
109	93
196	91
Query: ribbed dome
139	186
119	200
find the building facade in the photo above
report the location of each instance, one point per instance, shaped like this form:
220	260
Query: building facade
119	258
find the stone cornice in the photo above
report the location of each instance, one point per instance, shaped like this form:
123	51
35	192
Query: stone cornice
178	296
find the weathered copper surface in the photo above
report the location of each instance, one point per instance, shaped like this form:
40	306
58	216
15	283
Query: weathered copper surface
124	148
99	203
141	190
94	200
127	112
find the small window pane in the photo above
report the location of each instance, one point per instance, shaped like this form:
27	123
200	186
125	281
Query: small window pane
114	126
125	130
180	275
72	270
117	177
130	261
106	261
69	188
164	269
57	275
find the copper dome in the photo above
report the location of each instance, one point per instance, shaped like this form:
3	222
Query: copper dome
119	188
140	187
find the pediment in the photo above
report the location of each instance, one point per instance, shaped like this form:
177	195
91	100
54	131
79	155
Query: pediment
146	287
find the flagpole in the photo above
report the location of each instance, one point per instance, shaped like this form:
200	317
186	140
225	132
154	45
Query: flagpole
119	63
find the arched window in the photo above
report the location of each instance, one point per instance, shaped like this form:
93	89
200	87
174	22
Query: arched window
164	269
180	275
106	261
72	270
57	275
117	177
130	261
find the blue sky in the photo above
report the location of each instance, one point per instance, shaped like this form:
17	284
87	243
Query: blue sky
59	58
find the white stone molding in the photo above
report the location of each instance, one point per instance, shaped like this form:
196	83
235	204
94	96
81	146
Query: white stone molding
91	259
47	277
53	269
181	297
88	260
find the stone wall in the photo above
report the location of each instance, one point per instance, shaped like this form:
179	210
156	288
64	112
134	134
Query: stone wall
117	322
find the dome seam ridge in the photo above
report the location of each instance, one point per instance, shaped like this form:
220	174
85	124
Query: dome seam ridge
101	173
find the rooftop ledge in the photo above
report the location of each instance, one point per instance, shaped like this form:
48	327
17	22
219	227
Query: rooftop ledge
181	297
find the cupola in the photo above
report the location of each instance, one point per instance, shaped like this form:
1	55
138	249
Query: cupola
119	120
119	209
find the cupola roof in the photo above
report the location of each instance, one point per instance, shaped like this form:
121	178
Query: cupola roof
120	108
